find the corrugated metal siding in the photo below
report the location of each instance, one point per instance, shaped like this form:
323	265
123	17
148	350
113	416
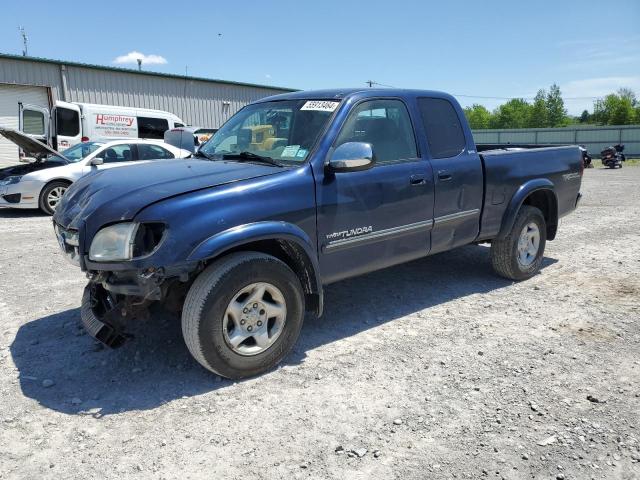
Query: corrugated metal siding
19	72
196	101
199	103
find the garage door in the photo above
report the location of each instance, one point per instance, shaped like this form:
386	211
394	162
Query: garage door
10	95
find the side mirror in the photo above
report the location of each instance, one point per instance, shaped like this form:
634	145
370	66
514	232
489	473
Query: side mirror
352	157
97	161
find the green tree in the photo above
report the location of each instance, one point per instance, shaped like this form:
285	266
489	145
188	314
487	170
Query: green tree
538	117
513	114
616	108
585	117
477	116
556	112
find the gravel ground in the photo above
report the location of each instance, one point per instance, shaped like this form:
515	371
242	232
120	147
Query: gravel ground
433	369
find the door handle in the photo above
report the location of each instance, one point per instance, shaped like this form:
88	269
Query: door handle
417	180
444	175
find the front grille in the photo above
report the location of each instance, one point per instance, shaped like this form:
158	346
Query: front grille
68	241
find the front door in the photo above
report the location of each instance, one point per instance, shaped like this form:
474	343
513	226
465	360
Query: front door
382	216
458	176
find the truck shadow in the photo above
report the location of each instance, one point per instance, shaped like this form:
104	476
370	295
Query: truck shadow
156	367
6	212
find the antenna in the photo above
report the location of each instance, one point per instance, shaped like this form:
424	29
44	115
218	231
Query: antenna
25	41
139	60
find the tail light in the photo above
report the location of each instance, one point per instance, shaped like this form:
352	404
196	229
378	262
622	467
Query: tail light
84	139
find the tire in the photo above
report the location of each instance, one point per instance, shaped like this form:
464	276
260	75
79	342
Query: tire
46	201
209	329
505	254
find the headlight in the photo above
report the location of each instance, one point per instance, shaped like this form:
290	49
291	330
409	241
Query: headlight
113	243
11	180
124	241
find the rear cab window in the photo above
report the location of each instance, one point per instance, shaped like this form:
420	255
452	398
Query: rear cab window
442	127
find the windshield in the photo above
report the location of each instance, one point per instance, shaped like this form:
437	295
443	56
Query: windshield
81	150
284	131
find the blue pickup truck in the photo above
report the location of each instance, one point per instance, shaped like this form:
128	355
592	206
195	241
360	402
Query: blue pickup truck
294	192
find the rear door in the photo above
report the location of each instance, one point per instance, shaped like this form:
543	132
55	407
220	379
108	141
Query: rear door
34	122
458	175
382	216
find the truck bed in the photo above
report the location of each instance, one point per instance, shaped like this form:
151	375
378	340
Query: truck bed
506	171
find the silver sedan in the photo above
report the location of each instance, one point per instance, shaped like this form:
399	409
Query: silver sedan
41	183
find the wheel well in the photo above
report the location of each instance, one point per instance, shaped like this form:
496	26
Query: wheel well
59	180
545	201
296	259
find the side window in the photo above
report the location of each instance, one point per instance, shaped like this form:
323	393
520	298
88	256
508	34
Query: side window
386	125
153	152
67	122
33	122
117	153
152	127
443	128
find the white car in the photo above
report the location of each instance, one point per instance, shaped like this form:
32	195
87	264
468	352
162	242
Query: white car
42	183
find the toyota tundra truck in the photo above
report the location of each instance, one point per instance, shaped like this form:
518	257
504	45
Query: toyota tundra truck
295	192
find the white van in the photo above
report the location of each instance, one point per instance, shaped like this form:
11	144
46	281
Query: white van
71	123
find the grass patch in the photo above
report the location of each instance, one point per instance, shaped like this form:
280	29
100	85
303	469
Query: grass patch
630	162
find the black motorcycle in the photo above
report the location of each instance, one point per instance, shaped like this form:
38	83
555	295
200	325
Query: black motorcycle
586	158
613	157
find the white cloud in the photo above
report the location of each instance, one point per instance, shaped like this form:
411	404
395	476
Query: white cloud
594	87
132	57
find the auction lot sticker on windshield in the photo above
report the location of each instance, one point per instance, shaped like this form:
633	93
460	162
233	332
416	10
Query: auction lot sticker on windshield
320	105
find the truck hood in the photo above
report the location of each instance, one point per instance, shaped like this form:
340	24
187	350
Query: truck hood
118	194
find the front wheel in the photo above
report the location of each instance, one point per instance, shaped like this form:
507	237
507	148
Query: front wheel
519	255
243	314
51	195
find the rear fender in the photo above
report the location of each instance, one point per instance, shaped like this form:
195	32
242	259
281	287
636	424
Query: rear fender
524	191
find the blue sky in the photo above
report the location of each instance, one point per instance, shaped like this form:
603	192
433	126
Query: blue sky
482	48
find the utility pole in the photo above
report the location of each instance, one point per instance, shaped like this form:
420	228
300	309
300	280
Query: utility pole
370	83
139	63
25	40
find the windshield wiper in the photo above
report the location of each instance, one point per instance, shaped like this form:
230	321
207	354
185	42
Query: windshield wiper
249	156
200	153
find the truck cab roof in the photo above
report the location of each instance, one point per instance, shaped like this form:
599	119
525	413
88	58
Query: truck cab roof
343	93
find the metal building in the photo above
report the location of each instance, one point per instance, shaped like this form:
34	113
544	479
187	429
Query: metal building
198	101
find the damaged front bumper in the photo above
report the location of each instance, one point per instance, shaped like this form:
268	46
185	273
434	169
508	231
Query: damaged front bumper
113	298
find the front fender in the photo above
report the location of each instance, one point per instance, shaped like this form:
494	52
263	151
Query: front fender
234	237
509	217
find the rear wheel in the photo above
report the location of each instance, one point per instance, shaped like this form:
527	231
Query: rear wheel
243	314
519	255
51	195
